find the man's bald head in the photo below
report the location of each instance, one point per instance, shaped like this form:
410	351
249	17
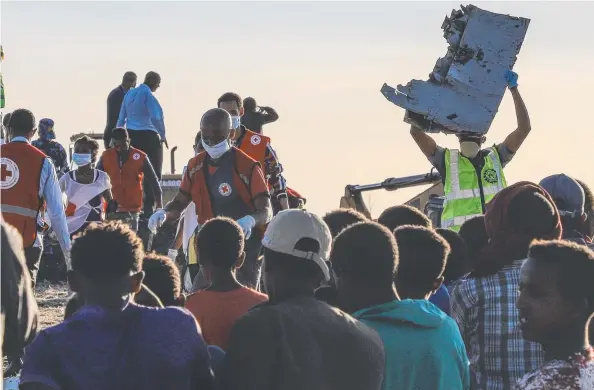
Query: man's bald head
216	126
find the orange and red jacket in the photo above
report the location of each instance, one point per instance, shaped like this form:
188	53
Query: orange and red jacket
126	182
244	167
20	172
254	145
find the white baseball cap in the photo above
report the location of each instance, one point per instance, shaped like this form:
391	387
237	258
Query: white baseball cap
288	227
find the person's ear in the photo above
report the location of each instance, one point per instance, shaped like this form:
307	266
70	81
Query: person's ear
437	284
74	281
241	111
181	300
240	260
136	282
232	134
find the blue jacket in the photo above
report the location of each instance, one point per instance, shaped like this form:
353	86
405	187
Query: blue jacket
423	346
141	111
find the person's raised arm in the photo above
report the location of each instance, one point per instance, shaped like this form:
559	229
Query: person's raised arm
517	137
269	115
427	144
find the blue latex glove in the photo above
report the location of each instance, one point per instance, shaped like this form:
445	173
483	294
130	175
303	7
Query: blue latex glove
247	223
511	78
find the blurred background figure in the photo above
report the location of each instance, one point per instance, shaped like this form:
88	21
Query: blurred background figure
256	116
53	149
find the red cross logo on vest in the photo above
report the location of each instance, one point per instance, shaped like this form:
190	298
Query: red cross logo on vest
225	189
9	173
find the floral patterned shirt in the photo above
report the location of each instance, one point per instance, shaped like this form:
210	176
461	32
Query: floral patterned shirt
575	373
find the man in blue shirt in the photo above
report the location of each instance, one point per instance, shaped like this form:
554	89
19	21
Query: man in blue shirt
142	115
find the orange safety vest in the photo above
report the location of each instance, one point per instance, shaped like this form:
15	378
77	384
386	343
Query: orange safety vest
254	145
20	171
199	191
126	182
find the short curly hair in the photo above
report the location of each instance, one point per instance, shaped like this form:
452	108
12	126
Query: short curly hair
402	215
220	241
162	277
108	250
230	97
340	219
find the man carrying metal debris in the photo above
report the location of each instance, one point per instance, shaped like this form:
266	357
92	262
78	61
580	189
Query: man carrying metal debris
472	176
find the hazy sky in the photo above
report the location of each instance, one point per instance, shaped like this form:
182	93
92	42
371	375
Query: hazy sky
320	64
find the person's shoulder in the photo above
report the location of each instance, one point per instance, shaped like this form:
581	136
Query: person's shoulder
138	152
170	316
243	156
554	375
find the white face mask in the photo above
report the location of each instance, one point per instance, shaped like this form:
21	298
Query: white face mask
469	149
81	159
218	150
236	121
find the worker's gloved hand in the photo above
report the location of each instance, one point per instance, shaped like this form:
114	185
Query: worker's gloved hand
156	220
511	78
172	254
247	223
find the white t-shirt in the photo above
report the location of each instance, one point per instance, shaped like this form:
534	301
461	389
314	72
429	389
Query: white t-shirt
79	195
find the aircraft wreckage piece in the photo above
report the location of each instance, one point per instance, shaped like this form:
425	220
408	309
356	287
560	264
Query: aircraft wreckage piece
467	85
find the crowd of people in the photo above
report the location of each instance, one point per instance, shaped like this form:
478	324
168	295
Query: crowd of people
499	296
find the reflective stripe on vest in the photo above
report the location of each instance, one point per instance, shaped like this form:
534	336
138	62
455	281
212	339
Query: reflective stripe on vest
463	199
6	208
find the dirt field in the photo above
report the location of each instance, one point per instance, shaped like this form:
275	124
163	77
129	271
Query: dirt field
51	299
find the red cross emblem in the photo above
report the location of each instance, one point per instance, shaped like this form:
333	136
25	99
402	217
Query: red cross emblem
9	173
225	189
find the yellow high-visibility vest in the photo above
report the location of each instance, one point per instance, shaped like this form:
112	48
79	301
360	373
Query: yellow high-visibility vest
461	187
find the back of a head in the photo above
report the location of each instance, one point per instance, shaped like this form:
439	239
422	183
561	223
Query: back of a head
162	277
107	252
21	123
296	248
588	196
474	234
569	198
532	215
6	119
249	103
457	263
422	259
220	243
402	215
339	219
365	253
129	77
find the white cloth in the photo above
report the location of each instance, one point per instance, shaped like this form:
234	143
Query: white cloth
81	194
190	219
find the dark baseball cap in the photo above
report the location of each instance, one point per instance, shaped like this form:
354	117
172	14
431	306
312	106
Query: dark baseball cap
567	193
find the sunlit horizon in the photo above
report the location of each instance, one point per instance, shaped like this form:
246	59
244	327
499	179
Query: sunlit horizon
319	64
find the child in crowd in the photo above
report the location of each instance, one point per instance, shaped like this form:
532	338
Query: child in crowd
111	342
423	347
337	220
457	264
556	305
87	190
403	215
220	244
474	234
162	277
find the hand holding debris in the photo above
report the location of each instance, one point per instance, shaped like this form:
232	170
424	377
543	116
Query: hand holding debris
511	78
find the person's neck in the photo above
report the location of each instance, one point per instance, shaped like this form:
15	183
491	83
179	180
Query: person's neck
223	281
289	294
110	303
239	133
369	296
562	345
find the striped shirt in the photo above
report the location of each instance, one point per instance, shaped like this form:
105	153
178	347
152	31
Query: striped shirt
486	313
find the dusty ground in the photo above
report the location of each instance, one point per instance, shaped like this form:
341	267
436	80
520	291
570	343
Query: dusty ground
51	299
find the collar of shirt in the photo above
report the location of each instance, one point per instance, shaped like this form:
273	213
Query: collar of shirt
20	139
